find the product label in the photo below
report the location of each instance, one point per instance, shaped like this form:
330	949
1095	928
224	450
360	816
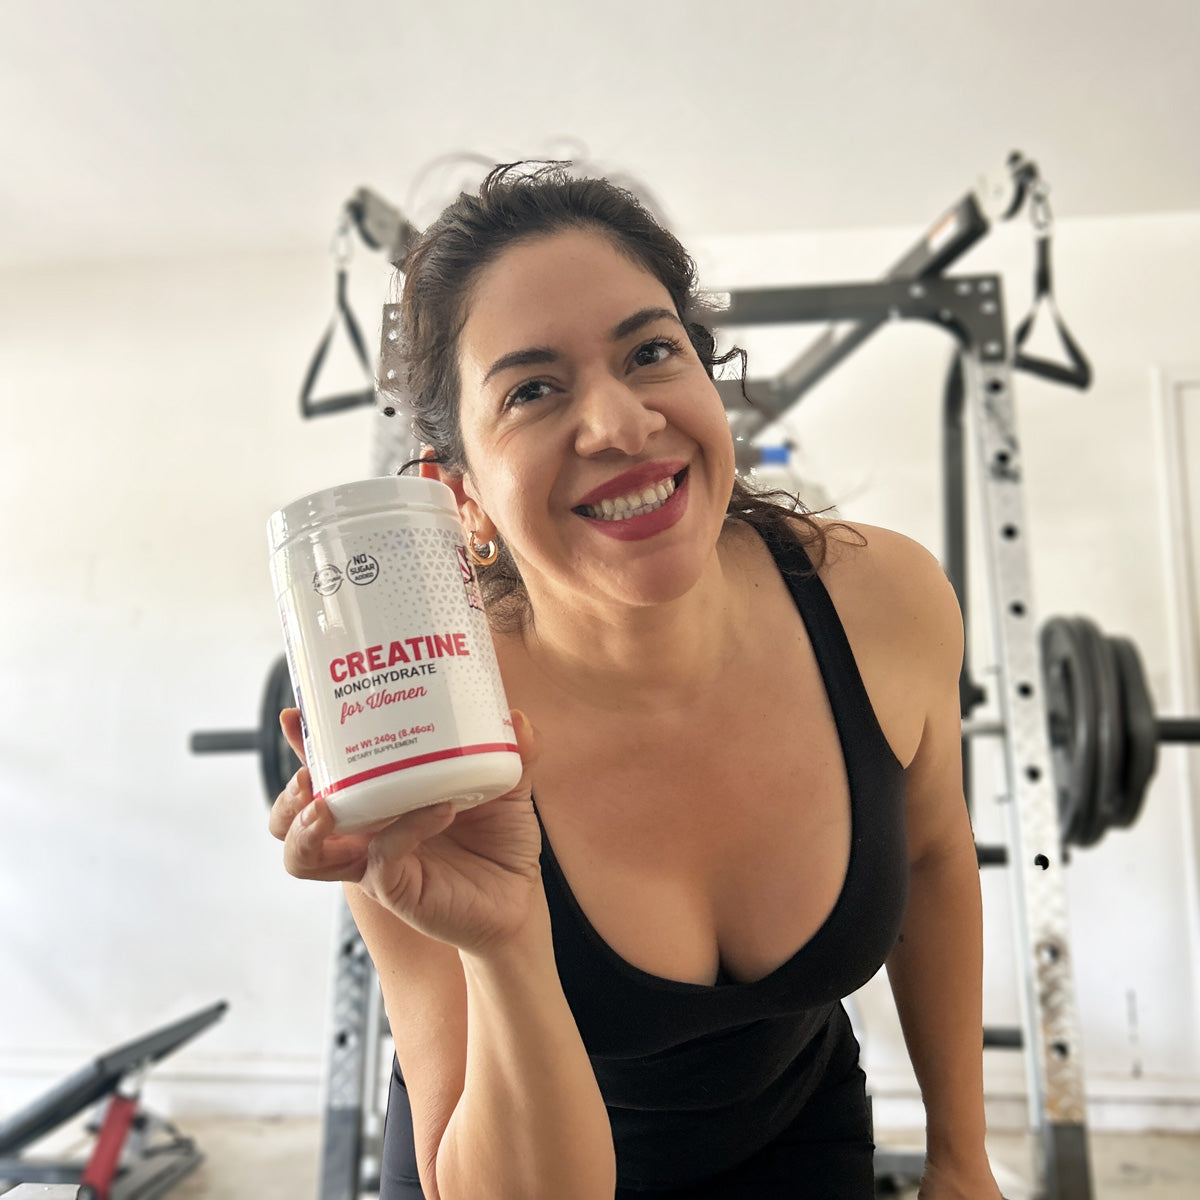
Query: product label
388	643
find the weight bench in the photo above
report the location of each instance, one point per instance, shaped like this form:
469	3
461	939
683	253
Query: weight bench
147	1170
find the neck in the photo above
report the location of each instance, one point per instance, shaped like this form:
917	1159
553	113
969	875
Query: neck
642	659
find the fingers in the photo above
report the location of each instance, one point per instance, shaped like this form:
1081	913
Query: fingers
289	803
406	833
529	746
313	850
528	742
289	722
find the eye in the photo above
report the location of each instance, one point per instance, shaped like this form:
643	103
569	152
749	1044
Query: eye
525	393
656	351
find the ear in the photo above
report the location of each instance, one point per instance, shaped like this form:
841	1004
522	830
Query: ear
470	511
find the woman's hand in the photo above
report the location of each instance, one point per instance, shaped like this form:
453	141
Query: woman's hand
466	878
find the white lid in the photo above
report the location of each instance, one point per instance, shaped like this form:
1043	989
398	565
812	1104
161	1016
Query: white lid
395	492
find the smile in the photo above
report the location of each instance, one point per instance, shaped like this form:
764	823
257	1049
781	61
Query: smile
635	504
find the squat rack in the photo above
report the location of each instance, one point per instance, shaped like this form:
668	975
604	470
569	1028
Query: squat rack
971	309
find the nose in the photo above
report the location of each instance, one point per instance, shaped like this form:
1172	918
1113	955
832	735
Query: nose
613	416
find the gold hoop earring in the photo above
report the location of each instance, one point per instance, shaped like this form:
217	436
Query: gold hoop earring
482	556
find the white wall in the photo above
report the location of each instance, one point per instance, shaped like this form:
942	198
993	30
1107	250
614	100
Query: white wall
151	426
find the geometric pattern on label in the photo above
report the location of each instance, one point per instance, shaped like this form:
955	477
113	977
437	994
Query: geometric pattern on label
420	591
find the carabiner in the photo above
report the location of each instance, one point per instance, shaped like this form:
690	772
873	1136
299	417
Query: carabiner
341	247
1039	209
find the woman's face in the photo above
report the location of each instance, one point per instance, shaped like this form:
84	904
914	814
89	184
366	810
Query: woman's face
596	443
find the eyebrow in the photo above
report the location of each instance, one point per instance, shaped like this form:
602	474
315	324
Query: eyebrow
543	354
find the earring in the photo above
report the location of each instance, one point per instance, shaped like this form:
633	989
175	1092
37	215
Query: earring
482	556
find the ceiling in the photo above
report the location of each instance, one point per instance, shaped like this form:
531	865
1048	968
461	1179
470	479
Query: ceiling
138	127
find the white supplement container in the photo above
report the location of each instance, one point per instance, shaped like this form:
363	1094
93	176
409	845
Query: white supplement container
389	651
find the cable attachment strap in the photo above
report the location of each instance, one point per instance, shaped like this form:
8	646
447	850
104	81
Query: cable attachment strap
1079	372
340	252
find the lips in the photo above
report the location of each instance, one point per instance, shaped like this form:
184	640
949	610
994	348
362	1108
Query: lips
634	504
635	480
647	521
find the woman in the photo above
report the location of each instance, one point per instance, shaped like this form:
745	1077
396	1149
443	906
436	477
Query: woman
744	791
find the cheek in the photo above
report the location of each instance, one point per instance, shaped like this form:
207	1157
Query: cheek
719	431
503	491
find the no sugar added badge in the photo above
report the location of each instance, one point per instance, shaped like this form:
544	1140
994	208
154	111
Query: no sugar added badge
362	569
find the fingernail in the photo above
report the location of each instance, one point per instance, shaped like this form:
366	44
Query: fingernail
308	814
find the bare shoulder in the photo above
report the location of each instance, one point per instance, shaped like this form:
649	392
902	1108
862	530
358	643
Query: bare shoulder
891	591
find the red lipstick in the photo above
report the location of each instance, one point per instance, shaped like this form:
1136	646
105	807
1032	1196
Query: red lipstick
632	480
636	529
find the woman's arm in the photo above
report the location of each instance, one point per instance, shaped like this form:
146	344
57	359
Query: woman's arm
936	967
452	909
504	1099
531	1113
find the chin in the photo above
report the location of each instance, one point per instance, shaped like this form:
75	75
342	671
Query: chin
656	581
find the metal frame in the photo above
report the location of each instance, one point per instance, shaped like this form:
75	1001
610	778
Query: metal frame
998	196
348	1155
1053	1052
971	308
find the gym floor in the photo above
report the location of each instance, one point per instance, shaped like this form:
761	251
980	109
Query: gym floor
277	1160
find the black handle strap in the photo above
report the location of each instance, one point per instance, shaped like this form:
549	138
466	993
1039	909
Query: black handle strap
343	400
1079	373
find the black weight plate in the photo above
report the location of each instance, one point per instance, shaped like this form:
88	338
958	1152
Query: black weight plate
1141	729
279	763
1106	798
1070	701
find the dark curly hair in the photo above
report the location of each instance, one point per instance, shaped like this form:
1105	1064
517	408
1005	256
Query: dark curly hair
516	202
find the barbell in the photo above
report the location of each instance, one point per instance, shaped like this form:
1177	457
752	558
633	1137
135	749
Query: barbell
1103	731
276	758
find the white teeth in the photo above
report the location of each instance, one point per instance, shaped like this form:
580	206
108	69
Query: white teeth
635	504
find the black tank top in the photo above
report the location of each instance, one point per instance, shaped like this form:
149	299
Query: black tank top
697	1078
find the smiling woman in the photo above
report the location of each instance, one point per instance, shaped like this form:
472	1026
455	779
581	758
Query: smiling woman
518	202
741	726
